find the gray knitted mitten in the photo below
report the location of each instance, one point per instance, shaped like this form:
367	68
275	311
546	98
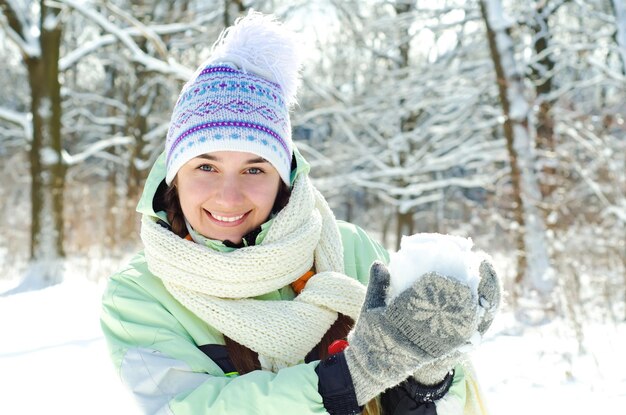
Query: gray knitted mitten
427	321
489	300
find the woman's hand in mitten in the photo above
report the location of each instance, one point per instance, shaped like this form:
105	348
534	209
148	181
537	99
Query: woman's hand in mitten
429	320
433	373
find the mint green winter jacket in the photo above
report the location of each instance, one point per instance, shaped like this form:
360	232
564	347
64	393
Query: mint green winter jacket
154	341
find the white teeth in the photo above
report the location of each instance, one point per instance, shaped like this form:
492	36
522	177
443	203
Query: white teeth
226	219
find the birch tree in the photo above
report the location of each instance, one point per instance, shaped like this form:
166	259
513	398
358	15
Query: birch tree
534	268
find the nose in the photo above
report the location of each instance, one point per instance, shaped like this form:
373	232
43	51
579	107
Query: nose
229	192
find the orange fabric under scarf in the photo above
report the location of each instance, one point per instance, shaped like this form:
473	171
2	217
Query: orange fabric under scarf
298	285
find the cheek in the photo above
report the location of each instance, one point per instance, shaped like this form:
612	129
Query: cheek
191	196
265	195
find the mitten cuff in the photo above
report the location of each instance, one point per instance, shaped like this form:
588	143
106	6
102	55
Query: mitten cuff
429	393
336	387
415	398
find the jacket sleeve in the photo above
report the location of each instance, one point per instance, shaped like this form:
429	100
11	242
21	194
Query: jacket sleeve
359	251
154	342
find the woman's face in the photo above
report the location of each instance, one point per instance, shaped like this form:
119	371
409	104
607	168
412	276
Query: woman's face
226	194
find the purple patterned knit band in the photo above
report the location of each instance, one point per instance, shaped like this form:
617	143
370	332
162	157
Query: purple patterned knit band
217	124
227	69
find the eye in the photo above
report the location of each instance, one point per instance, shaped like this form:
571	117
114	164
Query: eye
254	170
206	167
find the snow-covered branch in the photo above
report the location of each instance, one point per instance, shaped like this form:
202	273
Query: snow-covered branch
94	119
19	27
94	45
95	148
14	117
77	54
96	98
619	212
146	31
621	77
419	189
18	118
151	63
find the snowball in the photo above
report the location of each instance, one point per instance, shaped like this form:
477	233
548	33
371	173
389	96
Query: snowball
422	253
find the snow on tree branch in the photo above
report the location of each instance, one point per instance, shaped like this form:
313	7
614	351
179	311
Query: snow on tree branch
94	119
95	148
94	45
75	55
19	118
19	27
149	62
94	97
146	31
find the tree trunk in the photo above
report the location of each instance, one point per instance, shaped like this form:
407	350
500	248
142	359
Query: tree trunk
405	226
388	217
232	10
534	271
46	162
542	75
137	128
408	122
113	201
139	104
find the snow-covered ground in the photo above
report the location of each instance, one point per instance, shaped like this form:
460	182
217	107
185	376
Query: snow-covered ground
53	360
540	370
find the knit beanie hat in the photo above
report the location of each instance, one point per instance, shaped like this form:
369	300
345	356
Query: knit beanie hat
239	99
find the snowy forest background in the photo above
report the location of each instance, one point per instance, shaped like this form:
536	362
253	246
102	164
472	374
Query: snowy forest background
500	120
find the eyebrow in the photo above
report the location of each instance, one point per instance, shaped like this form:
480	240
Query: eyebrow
218	159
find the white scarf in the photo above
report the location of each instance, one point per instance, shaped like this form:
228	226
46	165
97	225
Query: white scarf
217	286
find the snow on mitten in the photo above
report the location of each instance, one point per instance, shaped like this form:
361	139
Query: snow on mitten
428	320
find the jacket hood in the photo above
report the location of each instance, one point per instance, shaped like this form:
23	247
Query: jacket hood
156	182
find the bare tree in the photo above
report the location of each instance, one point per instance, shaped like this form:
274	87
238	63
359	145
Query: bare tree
36	29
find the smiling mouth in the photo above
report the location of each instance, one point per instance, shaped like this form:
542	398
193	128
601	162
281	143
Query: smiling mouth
227	220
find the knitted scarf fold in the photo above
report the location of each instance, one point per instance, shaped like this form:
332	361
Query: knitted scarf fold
218	286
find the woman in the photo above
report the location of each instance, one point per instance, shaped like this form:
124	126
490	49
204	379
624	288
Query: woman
248	286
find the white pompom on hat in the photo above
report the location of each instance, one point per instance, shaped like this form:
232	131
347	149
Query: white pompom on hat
239	99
